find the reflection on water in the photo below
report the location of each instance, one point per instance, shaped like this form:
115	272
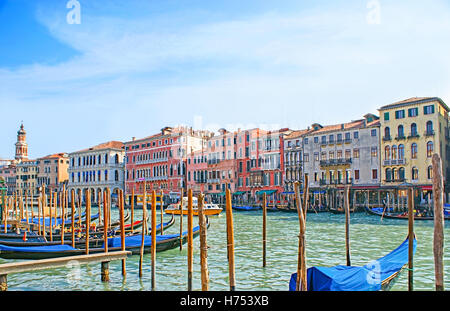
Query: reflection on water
370	238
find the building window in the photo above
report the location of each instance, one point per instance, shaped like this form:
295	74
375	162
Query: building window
373	133
306	157
375	174
386	116
401	173
429	149
413	112
387	153
415	173
374	152
356	135
401	132
428	109
414	129
414	151
430	172
429	128
356	174
401	152
400	114
356	153
387	133
394	153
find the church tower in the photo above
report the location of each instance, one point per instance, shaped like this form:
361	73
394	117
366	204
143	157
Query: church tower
21	145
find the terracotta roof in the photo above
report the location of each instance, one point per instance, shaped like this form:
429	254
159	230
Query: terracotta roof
108	145
342	126
415	100
297	134
56	155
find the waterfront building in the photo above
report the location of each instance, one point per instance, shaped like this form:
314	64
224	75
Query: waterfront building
293	159
343	154
26	177
53	171
8	172
97	168
160	160
412	131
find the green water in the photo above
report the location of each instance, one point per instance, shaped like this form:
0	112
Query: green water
370	239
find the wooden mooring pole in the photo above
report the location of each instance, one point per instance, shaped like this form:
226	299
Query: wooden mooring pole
438	237
153	248
144	229
88	218
301	282
190	237
410	238
347	224
122	230
203	245
264	235
181	219
230	239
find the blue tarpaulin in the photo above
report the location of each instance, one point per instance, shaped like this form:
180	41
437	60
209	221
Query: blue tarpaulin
49	248
350	278
136	240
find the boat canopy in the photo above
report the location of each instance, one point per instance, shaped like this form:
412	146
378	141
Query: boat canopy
268	192
350	278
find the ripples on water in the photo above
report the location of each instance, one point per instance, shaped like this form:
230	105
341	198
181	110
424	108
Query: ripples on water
370	238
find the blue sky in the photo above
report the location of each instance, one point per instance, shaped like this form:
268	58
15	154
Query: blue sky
132	67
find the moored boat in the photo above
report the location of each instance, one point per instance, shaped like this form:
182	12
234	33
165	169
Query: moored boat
209	209
376	275
402	215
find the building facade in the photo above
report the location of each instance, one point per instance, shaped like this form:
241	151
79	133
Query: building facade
160	160
53	171
343	154
97	168
412	131
8	172
26	177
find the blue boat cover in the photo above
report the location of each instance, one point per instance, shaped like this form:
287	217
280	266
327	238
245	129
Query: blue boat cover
247	208
40	249
136	240
350	278
58	221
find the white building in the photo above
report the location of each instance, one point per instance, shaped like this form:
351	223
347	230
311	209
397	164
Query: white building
97	168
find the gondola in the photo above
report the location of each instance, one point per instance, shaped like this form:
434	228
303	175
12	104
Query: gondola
56	237
374	276
247	208
96	240
404	215
132	243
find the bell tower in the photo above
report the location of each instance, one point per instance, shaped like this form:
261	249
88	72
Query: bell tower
21	145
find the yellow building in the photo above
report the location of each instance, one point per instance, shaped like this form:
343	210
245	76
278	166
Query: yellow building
411	132
26	177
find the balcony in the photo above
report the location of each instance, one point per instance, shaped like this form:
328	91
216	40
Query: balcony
213	181
335	162
324	182
151	161
398	180
413	135
429	133
400	137
348	140
387	138
394	162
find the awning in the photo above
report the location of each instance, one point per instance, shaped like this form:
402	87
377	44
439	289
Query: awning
427	188
221	194
268	192
239	193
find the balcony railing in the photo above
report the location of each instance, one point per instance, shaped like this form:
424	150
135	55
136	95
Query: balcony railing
324	182
394	162
413	135
335	162
400	137
429	133
387	138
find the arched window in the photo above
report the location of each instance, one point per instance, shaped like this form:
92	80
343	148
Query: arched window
116	175
429	149
429	127
387	132
415	173
394	174
400	132
394	152
388	174
401	173
401	152
430	172
117	158
414	129
387	153
414	151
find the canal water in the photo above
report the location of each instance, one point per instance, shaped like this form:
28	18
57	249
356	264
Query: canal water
370	238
